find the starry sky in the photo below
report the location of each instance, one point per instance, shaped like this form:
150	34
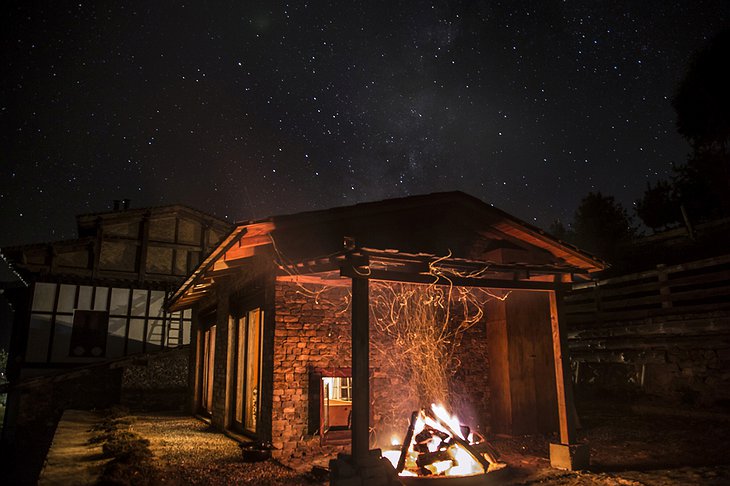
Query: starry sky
250	109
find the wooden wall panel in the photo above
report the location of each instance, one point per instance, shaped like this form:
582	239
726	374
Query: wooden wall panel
499	376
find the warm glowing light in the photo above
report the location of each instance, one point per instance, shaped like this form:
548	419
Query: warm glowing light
433	444
392	456
451	420
439	467
461	462
394	441
466	464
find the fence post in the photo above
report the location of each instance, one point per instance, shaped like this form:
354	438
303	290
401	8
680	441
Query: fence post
664	290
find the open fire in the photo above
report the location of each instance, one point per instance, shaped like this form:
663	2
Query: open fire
438	445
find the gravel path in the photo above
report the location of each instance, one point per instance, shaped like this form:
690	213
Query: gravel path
628	450
190	452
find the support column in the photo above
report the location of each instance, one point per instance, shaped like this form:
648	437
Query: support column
568	454
360	370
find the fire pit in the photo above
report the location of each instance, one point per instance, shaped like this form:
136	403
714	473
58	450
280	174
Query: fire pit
438	450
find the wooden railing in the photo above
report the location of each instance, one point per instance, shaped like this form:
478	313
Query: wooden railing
696	287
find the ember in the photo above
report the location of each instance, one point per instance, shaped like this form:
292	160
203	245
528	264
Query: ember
436	444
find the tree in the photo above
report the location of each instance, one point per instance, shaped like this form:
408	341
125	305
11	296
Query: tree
701	186
702	101
559	231
602	226
659	208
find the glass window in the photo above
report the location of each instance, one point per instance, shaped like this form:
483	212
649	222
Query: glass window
136	336
84	298
120	302
155	331
253	368
44	297
336	408
115	338
100	298
66	298
157	298
139	302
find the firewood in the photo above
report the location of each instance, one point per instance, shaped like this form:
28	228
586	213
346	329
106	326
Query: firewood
469	448
406	443
426	458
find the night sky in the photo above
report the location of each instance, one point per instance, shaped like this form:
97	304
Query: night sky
250	109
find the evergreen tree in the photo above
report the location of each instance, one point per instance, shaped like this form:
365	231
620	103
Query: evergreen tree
602	226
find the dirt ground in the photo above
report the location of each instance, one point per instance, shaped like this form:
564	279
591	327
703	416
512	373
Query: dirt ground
629	446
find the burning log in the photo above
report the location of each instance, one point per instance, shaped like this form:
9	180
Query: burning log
484	459
426	458
433	447
406	443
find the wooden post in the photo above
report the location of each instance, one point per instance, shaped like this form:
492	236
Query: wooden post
360	370
143	247
568	454
562	371
664	290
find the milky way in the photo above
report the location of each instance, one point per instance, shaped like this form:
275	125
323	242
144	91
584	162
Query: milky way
249	109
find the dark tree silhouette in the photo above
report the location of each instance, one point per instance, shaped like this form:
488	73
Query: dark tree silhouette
702	101
559	231
659	208
602	226
702	185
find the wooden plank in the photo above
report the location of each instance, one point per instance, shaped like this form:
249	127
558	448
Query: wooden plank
375	274
592	318
654	329
562	371
500	399
710	262
360	370
314	280
705	341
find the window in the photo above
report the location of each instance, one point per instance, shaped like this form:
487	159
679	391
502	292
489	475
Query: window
253	369
247	355
335	408
207	346
88	336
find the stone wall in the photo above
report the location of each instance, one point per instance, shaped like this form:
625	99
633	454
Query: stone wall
311	334
312	338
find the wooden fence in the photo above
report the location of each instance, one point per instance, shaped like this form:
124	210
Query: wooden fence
685	305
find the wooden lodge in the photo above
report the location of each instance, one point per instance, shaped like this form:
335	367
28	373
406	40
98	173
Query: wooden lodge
287	346
101	296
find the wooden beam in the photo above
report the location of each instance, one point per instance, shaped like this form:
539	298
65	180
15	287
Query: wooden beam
562	371
360	370
315	280
374	274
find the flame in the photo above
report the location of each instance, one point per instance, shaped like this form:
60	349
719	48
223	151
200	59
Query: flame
466	465
394	441
451	420
440	467
461	462
392	456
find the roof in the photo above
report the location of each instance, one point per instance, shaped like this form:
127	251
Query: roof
85	218
451	226
8	276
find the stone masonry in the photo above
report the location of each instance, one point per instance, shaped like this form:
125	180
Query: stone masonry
312	335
